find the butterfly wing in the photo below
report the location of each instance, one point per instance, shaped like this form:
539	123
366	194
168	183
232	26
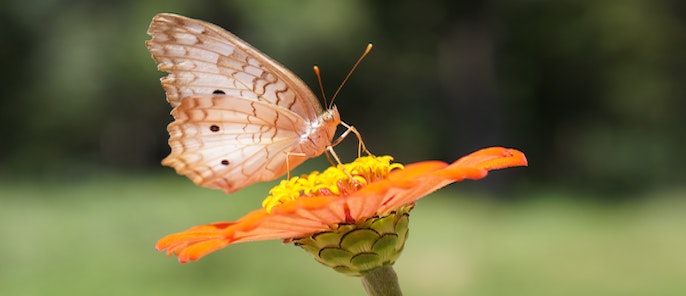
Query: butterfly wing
228	143
204	59
260	109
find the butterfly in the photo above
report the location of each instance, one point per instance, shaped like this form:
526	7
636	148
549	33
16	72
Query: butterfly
239	116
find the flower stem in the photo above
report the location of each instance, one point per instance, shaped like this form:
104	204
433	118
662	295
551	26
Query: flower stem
381	281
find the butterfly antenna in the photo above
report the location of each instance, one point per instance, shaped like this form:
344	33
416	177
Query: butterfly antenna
364	54
321	86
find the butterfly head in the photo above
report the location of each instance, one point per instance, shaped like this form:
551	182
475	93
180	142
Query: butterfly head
329	121
330	117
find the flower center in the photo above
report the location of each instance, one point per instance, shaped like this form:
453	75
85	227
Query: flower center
339	180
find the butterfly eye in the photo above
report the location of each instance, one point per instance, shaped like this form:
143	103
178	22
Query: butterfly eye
327	116
218	92
214	128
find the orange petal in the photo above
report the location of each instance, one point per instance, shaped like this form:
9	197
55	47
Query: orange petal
179	243
294	219
200	249
492	158
413	170
429	177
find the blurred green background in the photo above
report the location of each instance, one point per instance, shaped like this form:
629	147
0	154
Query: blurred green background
592	91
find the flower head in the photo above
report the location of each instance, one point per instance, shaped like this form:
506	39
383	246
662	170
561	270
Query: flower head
340	180
322	207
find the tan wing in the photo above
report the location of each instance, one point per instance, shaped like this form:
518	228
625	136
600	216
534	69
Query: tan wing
228	143
204	59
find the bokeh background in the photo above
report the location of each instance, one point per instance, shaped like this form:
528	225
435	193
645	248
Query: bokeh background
592	91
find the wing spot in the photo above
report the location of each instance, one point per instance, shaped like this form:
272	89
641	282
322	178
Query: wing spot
218	92
214	128
225	162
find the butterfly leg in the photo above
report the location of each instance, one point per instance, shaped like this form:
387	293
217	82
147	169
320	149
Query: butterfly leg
333	154
328	151
351	129
288	163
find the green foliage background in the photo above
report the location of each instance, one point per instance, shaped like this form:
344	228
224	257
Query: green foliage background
592	91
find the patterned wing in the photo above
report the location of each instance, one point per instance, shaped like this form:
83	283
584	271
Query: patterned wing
204	59
228	142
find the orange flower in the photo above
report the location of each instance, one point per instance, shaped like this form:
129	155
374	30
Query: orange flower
369	187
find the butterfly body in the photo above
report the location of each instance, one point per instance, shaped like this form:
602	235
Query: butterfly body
239	116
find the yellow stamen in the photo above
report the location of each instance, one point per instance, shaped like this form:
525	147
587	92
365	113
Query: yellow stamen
334	181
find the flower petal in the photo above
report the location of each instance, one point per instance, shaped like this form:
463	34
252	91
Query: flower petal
431	176
492	158
294	219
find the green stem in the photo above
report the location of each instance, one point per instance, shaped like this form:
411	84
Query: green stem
381	281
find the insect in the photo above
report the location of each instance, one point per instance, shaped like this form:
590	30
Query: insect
239	116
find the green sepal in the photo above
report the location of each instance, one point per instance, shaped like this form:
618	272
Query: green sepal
354	249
